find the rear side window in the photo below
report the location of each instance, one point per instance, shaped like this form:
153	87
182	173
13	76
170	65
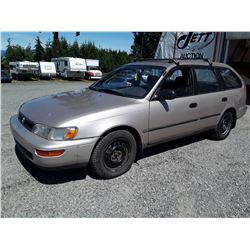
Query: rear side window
206	81
229	78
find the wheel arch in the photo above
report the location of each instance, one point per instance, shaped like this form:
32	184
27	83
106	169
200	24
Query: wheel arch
130	129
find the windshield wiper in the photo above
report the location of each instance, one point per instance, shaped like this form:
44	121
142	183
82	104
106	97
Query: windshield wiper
111	91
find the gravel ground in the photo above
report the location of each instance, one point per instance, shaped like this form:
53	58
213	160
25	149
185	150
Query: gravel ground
192	177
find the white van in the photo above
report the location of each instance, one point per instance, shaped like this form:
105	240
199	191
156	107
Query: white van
70	67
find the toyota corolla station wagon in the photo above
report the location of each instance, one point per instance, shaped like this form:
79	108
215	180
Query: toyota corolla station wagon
138	105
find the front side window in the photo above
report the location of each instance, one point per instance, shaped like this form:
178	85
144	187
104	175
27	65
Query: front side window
229	78
180	80
206	81
133	81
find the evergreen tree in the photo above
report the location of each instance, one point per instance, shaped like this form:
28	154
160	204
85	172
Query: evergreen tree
63	47
15	53
39	51
48	54
74	49
28	54
145	44
4	63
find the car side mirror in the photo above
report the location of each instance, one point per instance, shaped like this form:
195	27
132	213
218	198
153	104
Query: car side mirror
165	94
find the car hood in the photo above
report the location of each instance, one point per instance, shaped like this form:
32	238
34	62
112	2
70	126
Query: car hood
57	109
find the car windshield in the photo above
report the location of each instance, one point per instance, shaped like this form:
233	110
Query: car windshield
133	81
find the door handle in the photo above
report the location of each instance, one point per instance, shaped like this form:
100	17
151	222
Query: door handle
193	105
224	99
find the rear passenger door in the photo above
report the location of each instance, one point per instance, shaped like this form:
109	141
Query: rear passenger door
212	98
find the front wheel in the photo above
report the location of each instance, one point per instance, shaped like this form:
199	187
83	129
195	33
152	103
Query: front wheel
114	154
224	126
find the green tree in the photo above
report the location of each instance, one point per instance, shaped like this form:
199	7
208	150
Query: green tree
4	63
74	49
15	53
48	54
28	54
145	44
89	50
63	47
39	50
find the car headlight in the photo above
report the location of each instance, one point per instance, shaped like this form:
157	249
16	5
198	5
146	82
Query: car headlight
54	134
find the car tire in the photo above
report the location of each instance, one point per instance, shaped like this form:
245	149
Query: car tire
224	126
114	154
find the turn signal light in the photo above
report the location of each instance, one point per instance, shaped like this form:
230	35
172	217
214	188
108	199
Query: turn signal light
49	153
70	133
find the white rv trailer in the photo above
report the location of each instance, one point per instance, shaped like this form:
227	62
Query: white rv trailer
70	67
92	62
23	69
47	69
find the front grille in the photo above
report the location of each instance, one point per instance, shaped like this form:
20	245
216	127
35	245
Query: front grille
24	150
28	124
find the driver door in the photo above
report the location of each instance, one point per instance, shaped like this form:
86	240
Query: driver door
170	119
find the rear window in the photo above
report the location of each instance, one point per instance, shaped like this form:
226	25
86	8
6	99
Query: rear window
230	79
207	81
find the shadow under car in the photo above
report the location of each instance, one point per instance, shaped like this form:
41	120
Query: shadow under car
76	172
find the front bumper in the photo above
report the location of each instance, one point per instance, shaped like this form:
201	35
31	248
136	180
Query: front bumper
76	151
95	77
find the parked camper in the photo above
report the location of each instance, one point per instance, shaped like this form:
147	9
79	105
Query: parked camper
23	69
93	70
70	67
47	69
92	62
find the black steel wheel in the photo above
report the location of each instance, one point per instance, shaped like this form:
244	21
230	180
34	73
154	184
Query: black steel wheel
114	154
224	126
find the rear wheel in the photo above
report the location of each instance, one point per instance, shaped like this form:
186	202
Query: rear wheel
224	126
114	154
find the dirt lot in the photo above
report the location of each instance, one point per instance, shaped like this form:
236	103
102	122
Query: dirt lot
192	177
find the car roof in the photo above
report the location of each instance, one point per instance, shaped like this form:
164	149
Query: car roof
168	62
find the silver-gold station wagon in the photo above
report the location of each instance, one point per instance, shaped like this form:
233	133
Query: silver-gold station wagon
134	107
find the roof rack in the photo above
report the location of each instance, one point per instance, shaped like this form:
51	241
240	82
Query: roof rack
170	60
207	60
174	60
202	59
